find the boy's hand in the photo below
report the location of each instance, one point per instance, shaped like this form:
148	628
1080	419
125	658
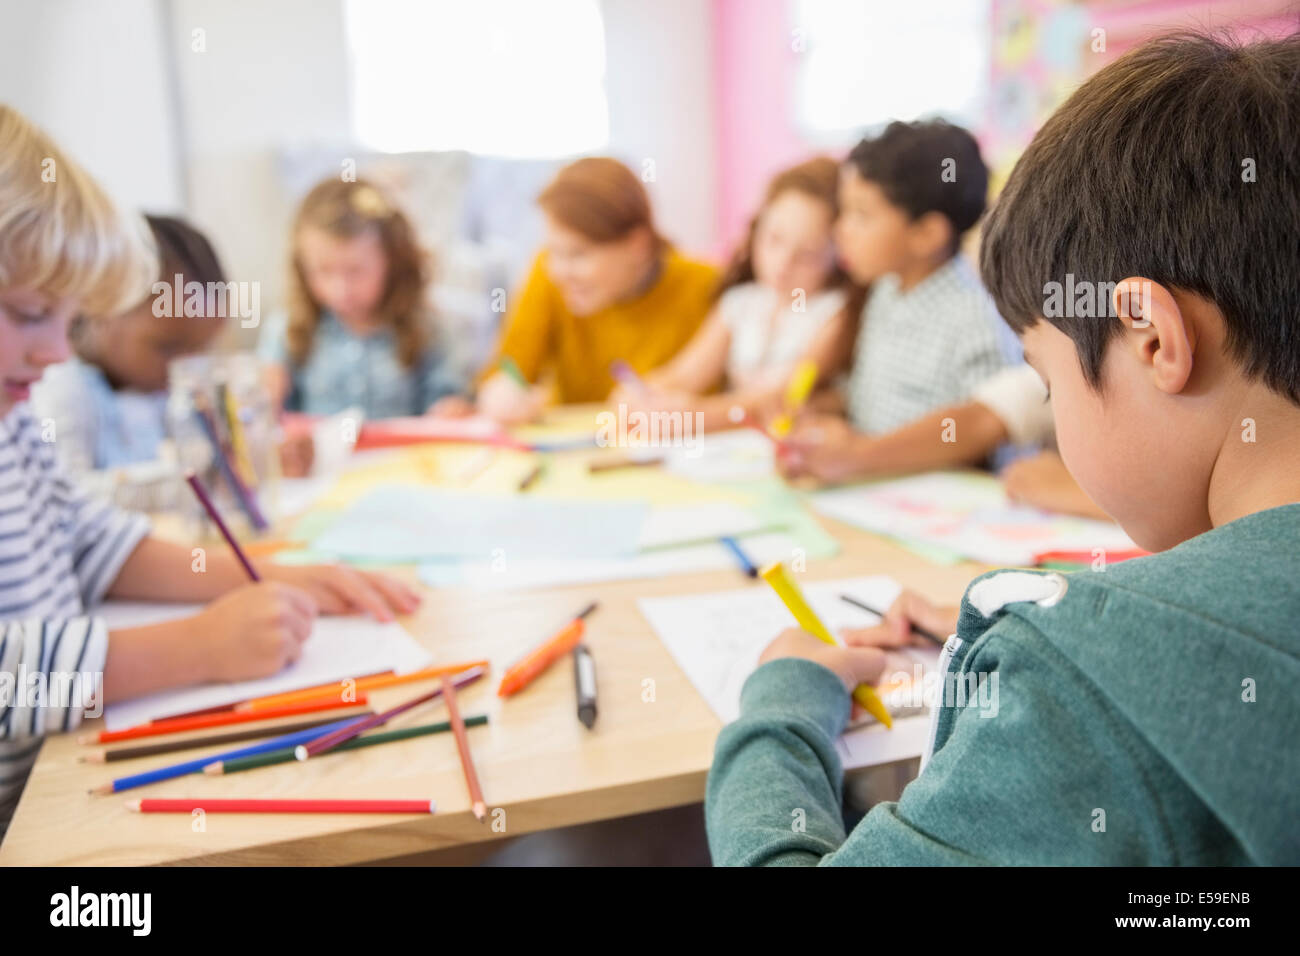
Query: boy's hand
895	630
255	630
852	665
342	590
821	447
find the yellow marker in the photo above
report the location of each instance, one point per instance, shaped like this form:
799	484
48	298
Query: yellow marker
797	391
788	592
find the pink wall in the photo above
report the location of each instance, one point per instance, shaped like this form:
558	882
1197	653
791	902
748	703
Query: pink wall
754	76
755	68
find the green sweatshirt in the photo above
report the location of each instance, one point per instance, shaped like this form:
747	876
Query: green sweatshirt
1149	714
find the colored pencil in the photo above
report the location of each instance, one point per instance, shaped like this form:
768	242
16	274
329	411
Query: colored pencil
193	743
286	755
324	742
511	368
366	684
477	805
161	805
194	766
622	461
929	635
747	566
477	465
203	721
215	515
624	375
531	477
522	673
245	497
806	617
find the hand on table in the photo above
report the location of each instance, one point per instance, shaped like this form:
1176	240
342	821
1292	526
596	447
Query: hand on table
504	400
337	589
255	630
821	447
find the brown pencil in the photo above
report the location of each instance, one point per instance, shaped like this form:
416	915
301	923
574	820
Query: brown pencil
252	733
462	747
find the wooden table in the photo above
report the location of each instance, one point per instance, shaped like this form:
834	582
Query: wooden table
539	767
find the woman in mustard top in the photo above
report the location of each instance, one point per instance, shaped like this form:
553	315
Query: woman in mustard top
606	287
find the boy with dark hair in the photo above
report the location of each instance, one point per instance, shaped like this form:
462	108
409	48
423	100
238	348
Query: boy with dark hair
1147	715
930	333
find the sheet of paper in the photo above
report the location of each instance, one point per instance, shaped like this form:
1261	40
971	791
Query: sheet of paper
529	574
401	524
738	455
339	647
687	524
717	638
966	513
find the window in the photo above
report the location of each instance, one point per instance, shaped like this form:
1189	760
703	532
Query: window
496	77
863	64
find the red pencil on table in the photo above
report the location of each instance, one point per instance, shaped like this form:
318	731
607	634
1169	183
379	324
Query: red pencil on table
258	805
462	748
331	740
204	721
202	494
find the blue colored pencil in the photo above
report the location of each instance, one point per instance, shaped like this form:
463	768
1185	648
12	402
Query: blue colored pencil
197	765
741	558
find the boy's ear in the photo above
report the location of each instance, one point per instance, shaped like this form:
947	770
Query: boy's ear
1158	333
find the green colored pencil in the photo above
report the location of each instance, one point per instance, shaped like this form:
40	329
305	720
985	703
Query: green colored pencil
507	365
286	755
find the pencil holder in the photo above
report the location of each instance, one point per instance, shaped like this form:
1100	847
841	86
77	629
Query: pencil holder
222	428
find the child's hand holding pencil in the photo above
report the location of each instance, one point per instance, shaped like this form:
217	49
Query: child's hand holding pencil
337	589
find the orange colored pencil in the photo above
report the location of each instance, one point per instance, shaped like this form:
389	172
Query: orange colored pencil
477	805
369	683
180	724
521	674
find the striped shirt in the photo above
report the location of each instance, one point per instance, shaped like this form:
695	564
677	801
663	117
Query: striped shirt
925	348
60	551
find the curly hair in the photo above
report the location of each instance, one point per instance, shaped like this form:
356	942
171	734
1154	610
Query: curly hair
346	210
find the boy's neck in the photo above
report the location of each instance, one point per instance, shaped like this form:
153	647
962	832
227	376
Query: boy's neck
914	273
1258	465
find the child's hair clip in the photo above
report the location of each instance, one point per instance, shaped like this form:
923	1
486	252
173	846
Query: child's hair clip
369	202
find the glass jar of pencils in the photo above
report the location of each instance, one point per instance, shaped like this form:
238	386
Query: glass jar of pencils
222	428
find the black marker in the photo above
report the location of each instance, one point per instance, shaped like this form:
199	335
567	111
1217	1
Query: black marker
584	684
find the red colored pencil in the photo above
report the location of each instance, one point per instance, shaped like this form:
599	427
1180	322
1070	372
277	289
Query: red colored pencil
462	747
332	740
180	724
256	805
202	494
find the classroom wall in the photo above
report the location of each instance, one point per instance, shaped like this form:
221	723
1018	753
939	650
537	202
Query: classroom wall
92	75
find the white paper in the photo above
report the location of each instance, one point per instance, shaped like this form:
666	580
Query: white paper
717	638
527	574
688	524
338	648
736	455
